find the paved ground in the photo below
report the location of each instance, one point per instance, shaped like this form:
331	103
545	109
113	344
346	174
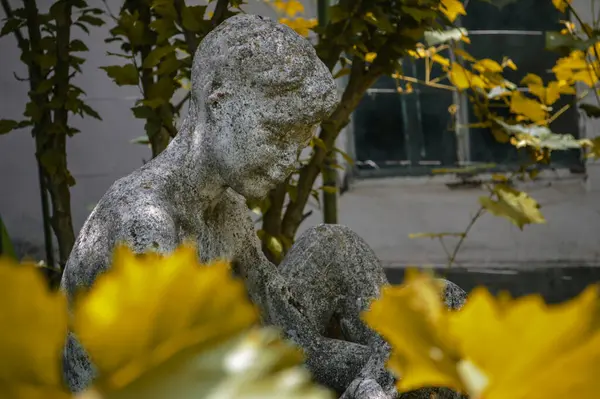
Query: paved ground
385	211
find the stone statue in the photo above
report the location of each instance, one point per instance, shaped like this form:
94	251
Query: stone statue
258	93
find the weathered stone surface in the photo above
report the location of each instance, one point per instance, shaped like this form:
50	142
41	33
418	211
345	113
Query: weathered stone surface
258	91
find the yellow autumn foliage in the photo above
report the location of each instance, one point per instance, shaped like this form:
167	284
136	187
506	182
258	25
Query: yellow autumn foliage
492	348
147	330
34	326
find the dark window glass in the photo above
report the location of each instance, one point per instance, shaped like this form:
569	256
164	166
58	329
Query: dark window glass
518	15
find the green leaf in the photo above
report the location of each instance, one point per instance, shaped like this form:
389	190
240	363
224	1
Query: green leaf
317	142
82	27
337	14
33	111
163	89
122	74
169	65
45	86
46	61
155	102
90	20
78	45
165	9
58	9
558	41
344	155
7	125
433	38
358	26
156	55
193	18
143	112
6	246
90	111
418	14
11	25
152	127
292	191
164	28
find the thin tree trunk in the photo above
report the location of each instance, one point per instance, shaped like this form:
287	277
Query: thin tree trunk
59	179
34	79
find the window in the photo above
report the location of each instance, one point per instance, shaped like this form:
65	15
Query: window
413	133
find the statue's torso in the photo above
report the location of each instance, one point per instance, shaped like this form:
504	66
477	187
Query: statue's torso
142	216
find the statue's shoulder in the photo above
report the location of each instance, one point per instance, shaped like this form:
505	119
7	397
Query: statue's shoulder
124	215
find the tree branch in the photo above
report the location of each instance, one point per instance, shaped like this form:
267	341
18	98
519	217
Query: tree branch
190	38
59	180
220	11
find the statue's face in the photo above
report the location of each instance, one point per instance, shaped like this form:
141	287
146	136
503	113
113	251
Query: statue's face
259	143
263	128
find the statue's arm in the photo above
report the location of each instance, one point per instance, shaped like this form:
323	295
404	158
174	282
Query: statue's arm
150	230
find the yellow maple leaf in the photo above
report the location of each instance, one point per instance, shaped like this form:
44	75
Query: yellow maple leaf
487	65
516	206
587	76
561	5
539	351
300	25
594	148
413	319
370	57
507	62
289	7
566	67
452	8
492	348
529	108
532	79
463	79
34	326
440	60
147	309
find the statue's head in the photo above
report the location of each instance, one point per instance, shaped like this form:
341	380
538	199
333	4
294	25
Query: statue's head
262	92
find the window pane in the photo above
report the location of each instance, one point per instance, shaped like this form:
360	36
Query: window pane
519	15
378	128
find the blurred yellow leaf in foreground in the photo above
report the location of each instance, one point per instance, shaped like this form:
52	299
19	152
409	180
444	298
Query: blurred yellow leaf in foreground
148	309
33	324
493	348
